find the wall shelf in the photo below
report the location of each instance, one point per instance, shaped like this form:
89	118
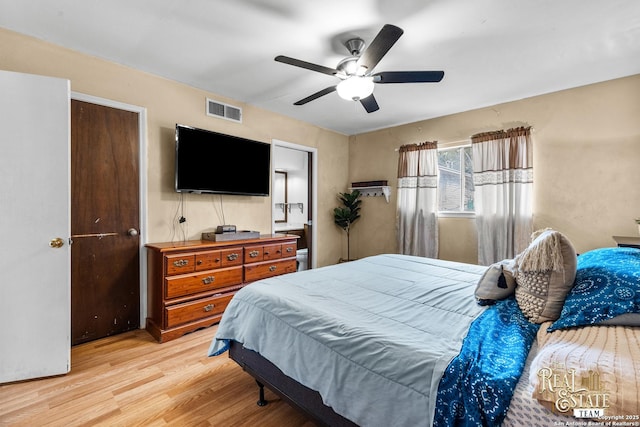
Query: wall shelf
374	191
289	205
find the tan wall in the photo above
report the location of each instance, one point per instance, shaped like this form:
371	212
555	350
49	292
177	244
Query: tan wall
587	148
586	166
168	103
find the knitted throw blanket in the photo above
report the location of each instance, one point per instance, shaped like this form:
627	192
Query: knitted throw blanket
578	367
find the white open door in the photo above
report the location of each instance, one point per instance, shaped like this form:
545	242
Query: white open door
35	287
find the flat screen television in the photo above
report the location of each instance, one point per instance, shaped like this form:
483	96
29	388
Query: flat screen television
212	162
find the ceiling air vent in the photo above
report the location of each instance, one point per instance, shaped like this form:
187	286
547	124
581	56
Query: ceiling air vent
224	111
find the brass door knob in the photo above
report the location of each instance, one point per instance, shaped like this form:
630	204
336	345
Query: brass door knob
56	243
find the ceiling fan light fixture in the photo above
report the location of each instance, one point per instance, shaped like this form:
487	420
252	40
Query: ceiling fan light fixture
356	71
349	65
355	88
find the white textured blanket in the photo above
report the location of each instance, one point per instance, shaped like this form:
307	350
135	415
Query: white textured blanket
589	368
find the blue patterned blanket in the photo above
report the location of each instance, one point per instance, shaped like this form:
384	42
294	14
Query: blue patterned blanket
478	385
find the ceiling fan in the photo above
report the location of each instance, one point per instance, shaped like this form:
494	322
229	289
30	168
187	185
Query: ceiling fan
356	71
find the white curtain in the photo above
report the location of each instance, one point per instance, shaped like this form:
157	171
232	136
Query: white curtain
503	180
418	200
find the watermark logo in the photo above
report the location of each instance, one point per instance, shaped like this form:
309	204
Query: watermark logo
582	394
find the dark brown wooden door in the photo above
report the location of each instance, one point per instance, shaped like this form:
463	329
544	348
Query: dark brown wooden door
105	290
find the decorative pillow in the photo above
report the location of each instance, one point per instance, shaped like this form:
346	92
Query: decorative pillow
496	283
545	273
607	289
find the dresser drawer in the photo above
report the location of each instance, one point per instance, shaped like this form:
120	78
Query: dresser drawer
231	257
269	252
208	260
195	310
179	263
272	252
178	286
253	254
266	269
289	250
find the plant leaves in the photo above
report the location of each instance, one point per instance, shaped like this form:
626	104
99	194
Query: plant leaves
347	215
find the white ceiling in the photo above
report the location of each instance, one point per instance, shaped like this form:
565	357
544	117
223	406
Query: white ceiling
491	51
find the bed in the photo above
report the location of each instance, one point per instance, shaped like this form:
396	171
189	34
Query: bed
401	340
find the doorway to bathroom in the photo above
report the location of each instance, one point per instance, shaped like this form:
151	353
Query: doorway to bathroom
293	197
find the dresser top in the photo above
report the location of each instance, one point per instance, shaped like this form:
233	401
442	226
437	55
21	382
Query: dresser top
203	244
627	240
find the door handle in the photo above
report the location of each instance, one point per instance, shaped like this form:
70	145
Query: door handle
56	243
132	232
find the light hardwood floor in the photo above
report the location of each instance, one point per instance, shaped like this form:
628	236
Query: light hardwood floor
131	380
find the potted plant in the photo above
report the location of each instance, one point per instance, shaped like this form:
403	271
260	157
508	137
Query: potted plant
347	214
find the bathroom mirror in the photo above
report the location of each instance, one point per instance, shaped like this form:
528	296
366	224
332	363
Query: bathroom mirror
280	197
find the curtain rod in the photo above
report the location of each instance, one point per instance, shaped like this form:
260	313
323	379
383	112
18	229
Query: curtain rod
448	142
464	140
457	142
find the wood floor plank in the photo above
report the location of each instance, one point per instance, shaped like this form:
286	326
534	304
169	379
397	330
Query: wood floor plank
131	380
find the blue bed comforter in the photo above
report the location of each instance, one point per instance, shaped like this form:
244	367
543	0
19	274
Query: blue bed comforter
375	336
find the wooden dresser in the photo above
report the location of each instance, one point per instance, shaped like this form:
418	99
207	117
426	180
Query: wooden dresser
189	284
627	242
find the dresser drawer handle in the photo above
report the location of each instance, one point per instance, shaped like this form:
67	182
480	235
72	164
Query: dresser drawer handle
289	249
273	268
199	262
181	262
266	252
208	307
208	280
232	257
254	254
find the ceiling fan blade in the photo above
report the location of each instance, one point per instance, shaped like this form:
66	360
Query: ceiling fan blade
306	65
408	77
387	37
316	95
369	103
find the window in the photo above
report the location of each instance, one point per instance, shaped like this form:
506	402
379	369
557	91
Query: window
455	181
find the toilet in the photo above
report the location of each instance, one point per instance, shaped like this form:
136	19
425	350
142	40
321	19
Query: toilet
302	259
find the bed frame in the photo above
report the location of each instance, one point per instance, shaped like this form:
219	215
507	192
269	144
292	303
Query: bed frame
266	373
